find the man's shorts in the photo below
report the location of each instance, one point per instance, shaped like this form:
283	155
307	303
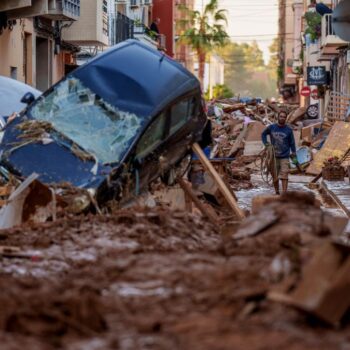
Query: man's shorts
282	168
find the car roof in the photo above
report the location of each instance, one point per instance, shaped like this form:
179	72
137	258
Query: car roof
11	92
137	78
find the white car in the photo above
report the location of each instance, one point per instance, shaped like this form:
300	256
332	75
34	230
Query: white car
11	93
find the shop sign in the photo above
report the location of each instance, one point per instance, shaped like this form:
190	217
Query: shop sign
317	75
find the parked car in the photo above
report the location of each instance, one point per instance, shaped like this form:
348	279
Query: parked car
11	94
111	126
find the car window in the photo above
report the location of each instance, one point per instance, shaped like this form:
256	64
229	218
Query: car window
152	136
179	115
98	127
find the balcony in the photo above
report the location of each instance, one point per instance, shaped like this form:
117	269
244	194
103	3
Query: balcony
53	9
63	10
8	5
142	33
330	43
122	28
92	27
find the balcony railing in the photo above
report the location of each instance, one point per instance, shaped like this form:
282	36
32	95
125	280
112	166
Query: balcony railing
122	28
329	38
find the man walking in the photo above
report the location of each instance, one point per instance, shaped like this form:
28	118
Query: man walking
282	140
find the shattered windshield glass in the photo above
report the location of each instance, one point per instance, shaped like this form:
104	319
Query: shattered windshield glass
95	125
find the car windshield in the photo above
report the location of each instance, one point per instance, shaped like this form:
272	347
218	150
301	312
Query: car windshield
84	117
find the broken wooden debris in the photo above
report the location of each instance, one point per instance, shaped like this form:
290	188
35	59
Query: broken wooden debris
256	224
223	188
336	145
324	287
204	209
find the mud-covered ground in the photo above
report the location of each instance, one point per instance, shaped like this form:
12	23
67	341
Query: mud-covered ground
156	279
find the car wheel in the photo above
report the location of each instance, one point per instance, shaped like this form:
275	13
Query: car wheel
312	111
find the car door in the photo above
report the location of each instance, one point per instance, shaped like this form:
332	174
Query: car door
147	159
182	127
164	143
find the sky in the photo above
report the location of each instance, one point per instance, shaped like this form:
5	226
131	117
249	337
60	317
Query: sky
249	20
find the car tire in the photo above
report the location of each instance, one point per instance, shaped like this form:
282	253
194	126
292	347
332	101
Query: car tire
312	111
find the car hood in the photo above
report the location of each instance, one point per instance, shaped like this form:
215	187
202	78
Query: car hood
51	155
11	93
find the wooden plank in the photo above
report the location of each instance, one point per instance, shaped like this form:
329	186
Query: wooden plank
336	145
339	108
336	198
222	187
238	141
187	189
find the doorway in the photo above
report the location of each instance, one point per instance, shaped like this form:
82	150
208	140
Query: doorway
43	63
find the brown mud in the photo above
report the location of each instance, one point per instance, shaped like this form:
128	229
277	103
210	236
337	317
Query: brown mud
157	279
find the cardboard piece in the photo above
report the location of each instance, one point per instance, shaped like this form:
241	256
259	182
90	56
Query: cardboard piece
336	145
253	148
254	131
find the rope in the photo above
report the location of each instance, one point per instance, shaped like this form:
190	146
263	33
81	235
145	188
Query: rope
268	166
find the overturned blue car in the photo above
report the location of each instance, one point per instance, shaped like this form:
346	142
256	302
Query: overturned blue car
111	126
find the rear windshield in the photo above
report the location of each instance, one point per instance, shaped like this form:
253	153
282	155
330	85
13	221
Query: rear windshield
84	117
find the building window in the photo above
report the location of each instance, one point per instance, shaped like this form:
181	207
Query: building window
13	72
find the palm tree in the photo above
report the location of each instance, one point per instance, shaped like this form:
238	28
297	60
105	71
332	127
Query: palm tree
203	31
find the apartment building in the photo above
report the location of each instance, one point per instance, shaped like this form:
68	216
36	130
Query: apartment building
290	15
31	46
184	53
327	54
91	32
313	56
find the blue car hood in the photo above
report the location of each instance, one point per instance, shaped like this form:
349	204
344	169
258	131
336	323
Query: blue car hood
54	162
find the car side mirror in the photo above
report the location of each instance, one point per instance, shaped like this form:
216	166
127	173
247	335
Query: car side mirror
28	98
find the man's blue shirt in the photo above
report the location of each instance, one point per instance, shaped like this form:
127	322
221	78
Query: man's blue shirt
282	139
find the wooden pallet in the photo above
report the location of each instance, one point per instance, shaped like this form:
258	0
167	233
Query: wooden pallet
337	107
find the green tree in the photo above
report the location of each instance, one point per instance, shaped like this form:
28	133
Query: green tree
246	72
222	91
203	31
241	61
